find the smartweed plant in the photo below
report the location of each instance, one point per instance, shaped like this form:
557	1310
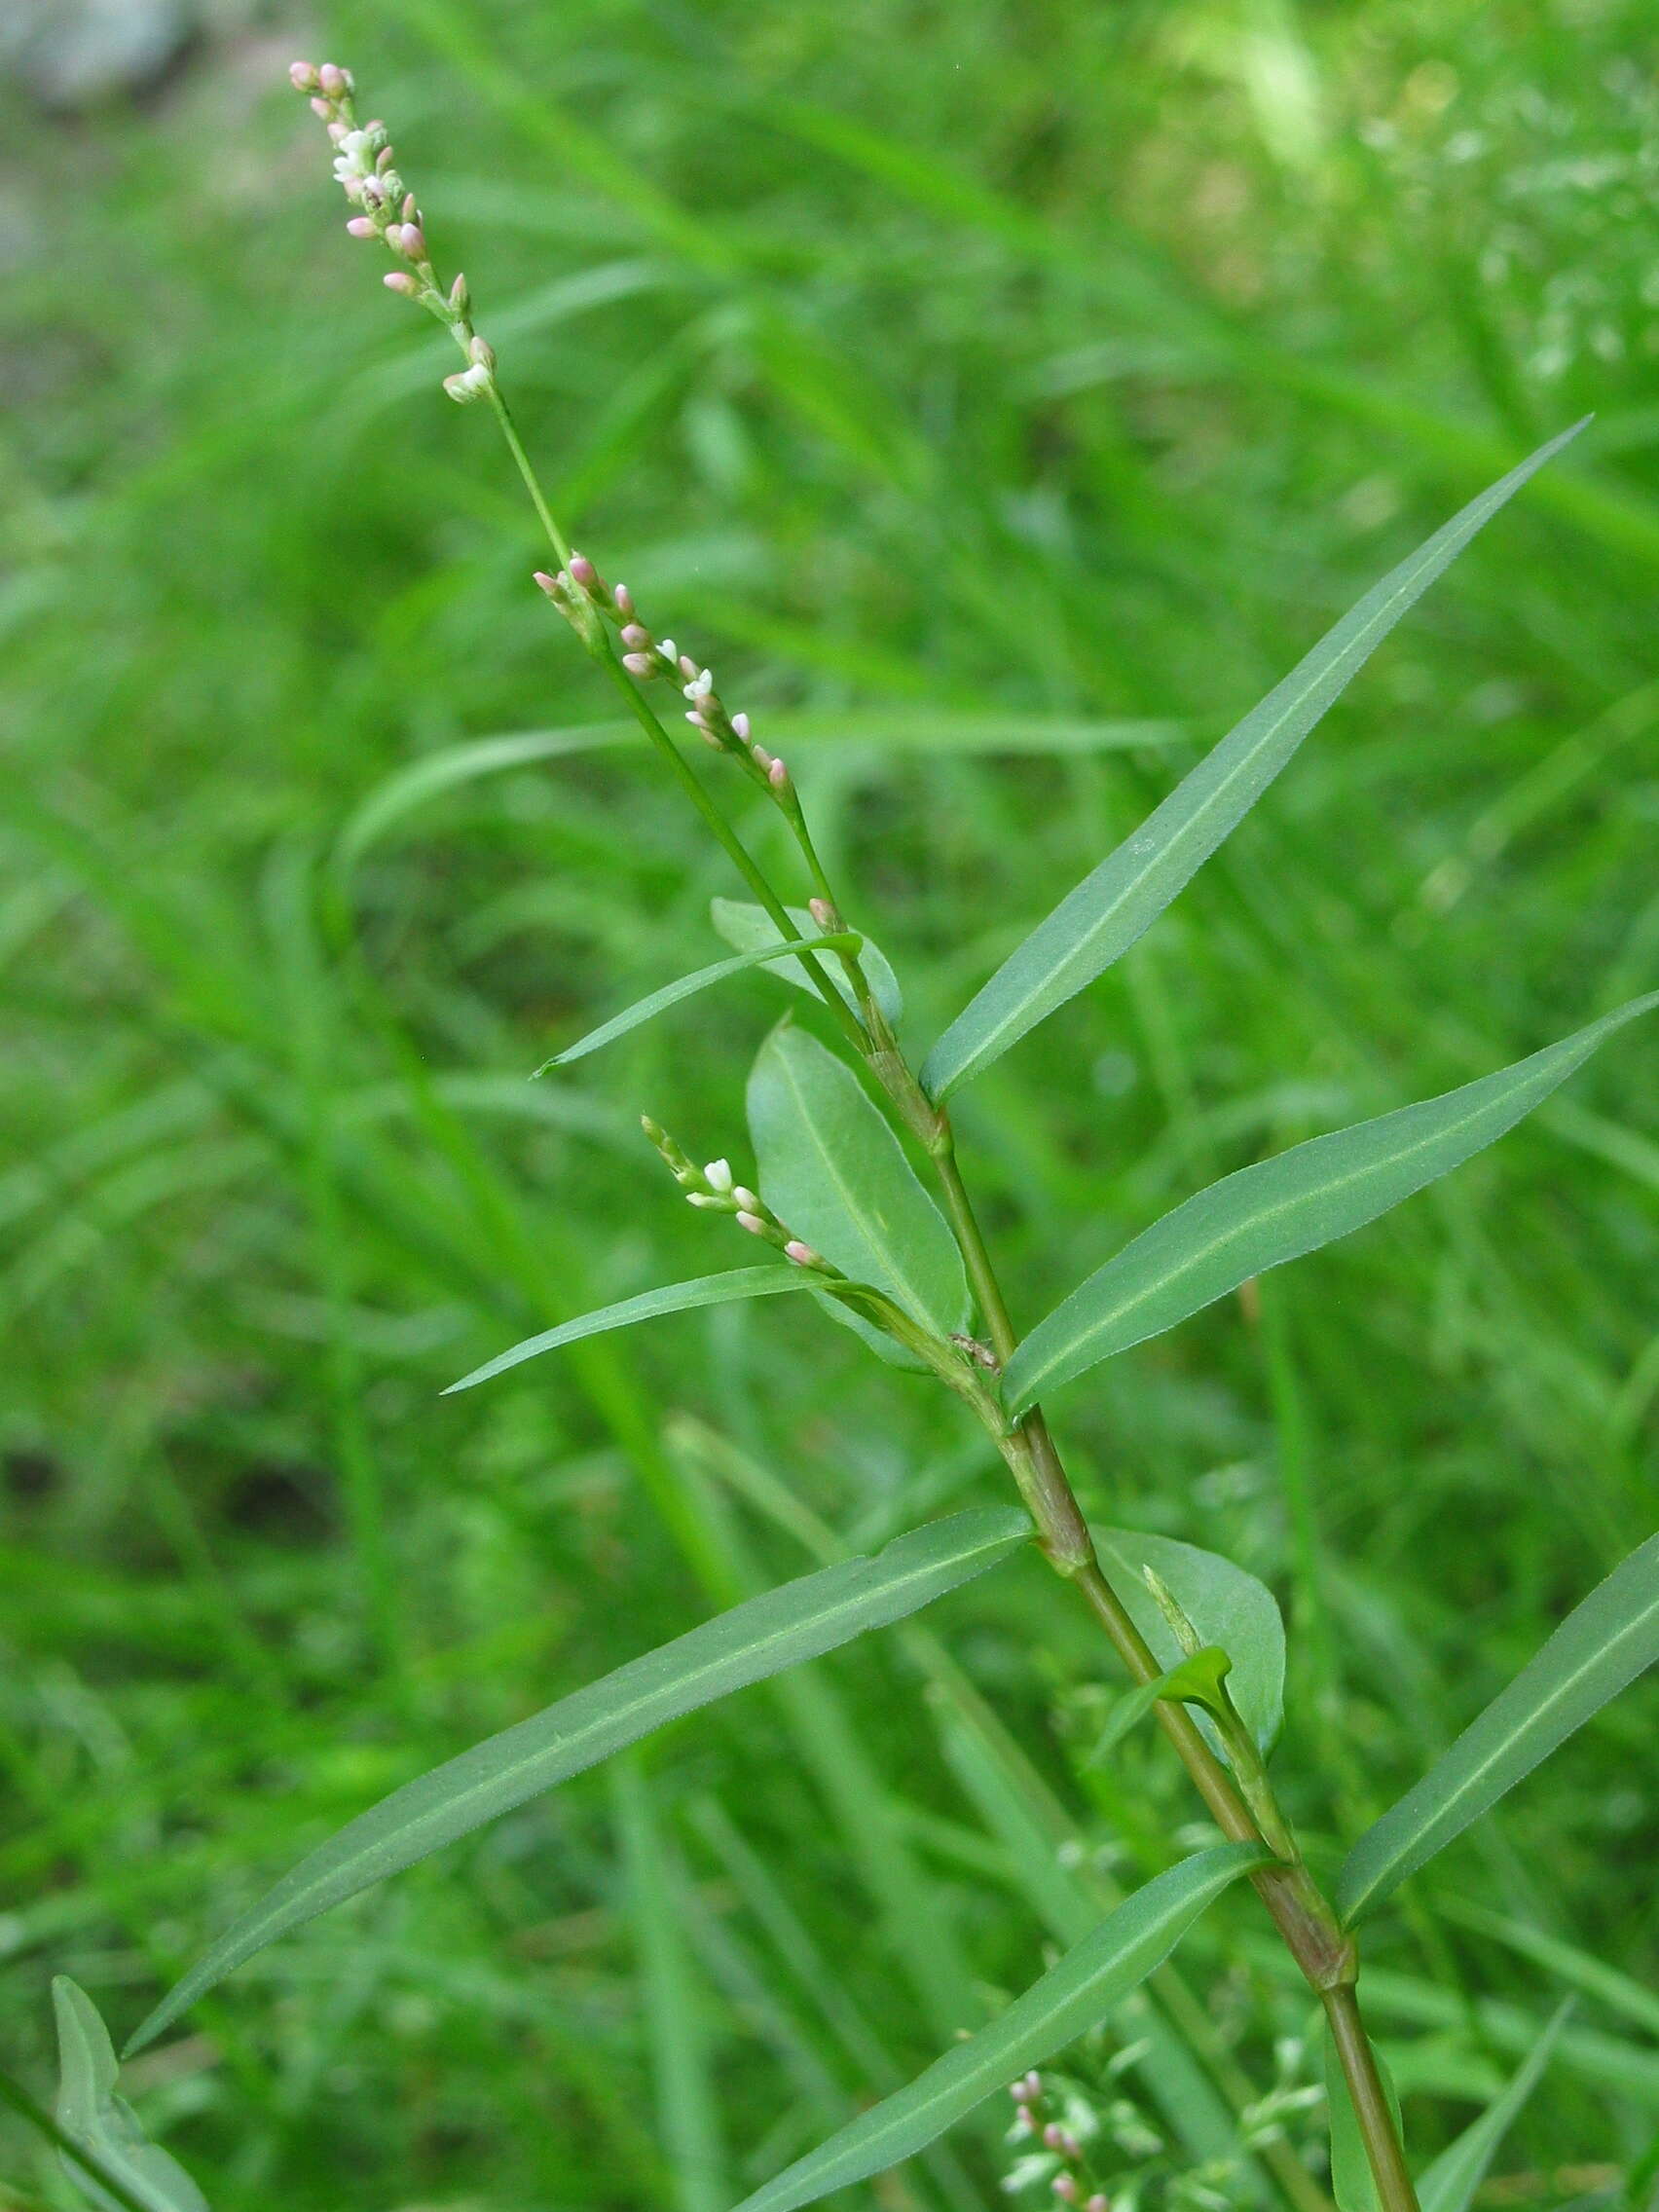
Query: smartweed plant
847	1139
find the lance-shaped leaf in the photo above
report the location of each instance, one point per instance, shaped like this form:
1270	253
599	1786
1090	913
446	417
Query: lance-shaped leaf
1225	1603
1281	1209
750	929
763	1637
832	1170
1101	1971
1451	2183
102	2123
1602	1645
1099	921
672	1298
687	986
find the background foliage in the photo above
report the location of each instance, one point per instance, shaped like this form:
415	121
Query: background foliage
1021	363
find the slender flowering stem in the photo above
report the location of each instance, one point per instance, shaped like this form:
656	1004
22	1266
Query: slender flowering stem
387	214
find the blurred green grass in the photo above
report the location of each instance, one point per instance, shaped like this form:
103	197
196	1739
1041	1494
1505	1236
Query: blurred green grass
1066	366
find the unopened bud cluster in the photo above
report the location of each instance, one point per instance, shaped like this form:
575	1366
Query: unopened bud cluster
580	586
364	166
713	1190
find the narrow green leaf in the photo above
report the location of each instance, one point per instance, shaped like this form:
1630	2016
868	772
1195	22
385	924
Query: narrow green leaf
1226	1604
104	2125
1451	2183
1069	1999
672	1298
1281	1209
832	1169
700	979
1099	921
1602	1644
1352	2184
750	929
761	1636
1197	1680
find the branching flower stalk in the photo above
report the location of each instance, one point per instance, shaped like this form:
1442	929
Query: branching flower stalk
844	1217
389	214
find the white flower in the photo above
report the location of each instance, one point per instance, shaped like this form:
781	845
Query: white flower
718	1175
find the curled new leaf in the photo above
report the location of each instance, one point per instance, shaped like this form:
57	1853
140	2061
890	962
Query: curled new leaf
1097	1974
1226	1604
104	2125
801	1620
1281	1209
1602	1644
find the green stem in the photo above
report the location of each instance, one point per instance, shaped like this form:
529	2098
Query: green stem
639	707
1395	2191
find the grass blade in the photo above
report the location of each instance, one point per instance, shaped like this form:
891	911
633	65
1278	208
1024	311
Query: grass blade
1099	921
754	1639
1070	1998
102	2125
700	979
672	1298
1602	1644
1451	2183
1281	1209
675	2009
750	929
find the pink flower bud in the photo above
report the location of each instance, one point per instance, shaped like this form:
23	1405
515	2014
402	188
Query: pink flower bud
687	667
382	160
481	354
761	758
752	1223
1066	2188
336	130
459	299
360	227
740	723
324	109
622	599
801	1254
639	664
746	1199
544	582
398	282
636	638
302	75
1097	2203
336	82
1055	2136
823	914
411	213
777	776
697	722
1033	2087
583	571
409	239
1017	2090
